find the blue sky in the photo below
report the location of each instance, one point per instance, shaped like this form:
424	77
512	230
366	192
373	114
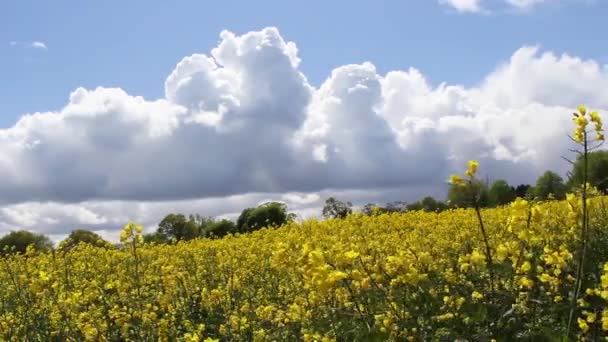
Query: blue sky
135	44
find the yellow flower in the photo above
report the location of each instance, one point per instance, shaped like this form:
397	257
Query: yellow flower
472	169
582	109
525	283
44	276
582	324
456	180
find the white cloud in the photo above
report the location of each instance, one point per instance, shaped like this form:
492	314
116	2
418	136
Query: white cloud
528	4
39	45
34	45
473	6
243	125
477	6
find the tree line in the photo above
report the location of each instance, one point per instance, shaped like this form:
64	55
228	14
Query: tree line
179	227
548	186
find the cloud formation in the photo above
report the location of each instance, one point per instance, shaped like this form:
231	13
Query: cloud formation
33	45
473	6
482	6
242	124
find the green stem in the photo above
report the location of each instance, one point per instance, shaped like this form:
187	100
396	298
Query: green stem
584	232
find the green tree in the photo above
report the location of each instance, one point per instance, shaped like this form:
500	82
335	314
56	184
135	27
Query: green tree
155	237
550	183
218	229
271	214
18	241
370	209
336	209
414	206
501	193
83	236
395	207
464	196
391	207
241	222
177	226
597	173
522	190
429	204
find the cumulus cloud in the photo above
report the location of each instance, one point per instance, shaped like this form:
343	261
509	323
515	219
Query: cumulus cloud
242	125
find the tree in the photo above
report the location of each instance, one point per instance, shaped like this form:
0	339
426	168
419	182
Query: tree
271	214
336	209
241	222
371	209
522	190
177	226
396	206
465	196
83	236
155	237
218	229
550	183
391	207
18	241
429	204
501	193
597	171
414	206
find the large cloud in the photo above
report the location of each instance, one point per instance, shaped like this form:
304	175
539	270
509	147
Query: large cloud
244	119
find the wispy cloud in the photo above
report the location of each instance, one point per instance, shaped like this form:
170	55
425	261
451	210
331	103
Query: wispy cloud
471	6
477	6
32	45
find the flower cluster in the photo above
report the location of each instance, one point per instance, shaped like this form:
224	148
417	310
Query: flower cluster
581	120
470	172
400	276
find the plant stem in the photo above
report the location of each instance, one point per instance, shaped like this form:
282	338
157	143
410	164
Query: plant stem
584	232
489	262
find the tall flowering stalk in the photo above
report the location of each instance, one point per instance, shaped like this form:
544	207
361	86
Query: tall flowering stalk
458	180
582	137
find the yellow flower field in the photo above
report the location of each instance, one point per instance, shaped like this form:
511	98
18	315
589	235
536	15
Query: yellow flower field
413	276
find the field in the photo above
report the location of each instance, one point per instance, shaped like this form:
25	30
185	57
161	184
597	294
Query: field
407	276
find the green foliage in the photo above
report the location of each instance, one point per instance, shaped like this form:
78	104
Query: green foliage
427	204
597	174
336	209
271	214
241	222
550	183
371	209
178	227
465	196
218	229
83	236
155	237
392	207
18	241
523	190
501	193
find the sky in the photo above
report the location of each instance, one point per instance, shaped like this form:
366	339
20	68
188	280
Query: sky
115	111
